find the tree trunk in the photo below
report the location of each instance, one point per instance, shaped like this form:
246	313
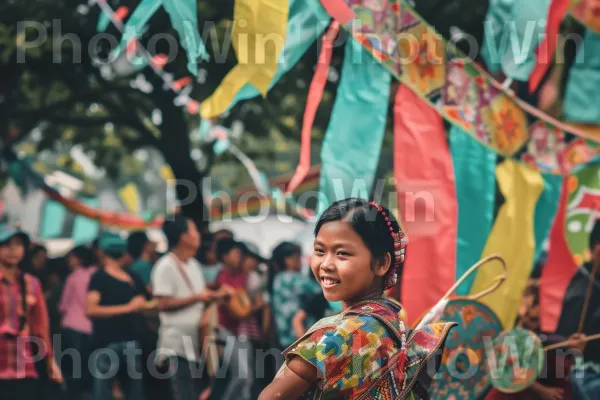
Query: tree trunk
175	146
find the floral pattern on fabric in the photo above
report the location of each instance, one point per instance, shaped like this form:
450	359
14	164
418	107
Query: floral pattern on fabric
349	355
357	353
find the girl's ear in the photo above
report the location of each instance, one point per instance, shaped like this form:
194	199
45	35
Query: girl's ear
382	265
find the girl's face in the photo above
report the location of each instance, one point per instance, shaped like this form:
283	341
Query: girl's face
12	252
342	264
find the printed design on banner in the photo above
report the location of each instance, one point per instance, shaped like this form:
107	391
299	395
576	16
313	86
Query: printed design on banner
464	100
424	60
376	29
587	12
420	58
463	374
508	122
582	210
545	150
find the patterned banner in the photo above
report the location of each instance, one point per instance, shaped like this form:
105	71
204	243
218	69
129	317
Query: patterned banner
474	166
351	148
558	270
426	202
460	90
582	211
512	238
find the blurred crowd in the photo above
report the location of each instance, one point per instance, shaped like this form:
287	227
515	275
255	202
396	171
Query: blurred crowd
116	319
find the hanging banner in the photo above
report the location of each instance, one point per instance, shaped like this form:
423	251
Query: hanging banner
350	152
315	95
254	22
307	21
457	88
131	198
512	32
583	83
474	171
558	270
545	211
427	203
547	48
582	211
512	238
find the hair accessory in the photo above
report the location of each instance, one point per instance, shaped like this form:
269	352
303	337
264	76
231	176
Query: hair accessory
400	243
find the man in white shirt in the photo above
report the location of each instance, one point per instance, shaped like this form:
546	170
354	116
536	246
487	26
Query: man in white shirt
179	287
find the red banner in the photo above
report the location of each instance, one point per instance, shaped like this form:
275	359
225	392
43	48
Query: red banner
559	268
427	204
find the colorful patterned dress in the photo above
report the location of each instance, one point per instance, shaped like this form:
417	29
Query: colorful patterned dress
358	354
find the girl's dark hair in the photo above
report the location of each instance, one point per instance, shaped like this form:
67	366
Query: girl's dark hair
367	222
85	255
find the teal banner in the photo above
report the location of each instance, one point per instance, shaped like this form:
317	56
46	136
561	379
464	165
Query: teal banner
512	33
85	230
474	171
352	144
545	210
583	83
53	218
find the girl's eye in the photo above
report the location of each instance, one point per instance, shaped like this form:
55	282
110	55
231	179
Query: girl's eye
318	251
343	253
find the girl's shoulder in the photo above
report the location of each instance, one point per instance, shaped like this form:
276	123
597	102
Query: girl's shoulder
346	349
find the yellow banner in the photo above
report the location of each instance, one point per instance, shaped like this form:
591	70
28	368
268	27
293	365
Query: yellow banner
513	238
258	35
131	198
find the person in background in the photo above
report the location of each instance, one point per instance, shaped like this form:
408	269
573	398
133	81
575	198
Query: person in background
76	326
256	326
313	307
586	377
37	264
181	292
115	299
289	287
23	314
230	253
143	251
211	266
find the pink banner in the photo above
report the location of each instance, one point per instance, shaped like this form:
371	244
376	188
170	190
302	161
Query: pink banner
315	95
339	10
559	268
427	202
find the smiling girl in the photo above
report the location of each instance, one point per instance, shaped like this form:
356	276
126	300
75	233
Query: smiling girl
365	351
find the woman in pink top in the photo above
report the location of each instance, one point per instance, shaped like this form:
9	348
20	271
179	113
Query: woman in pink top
76	326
